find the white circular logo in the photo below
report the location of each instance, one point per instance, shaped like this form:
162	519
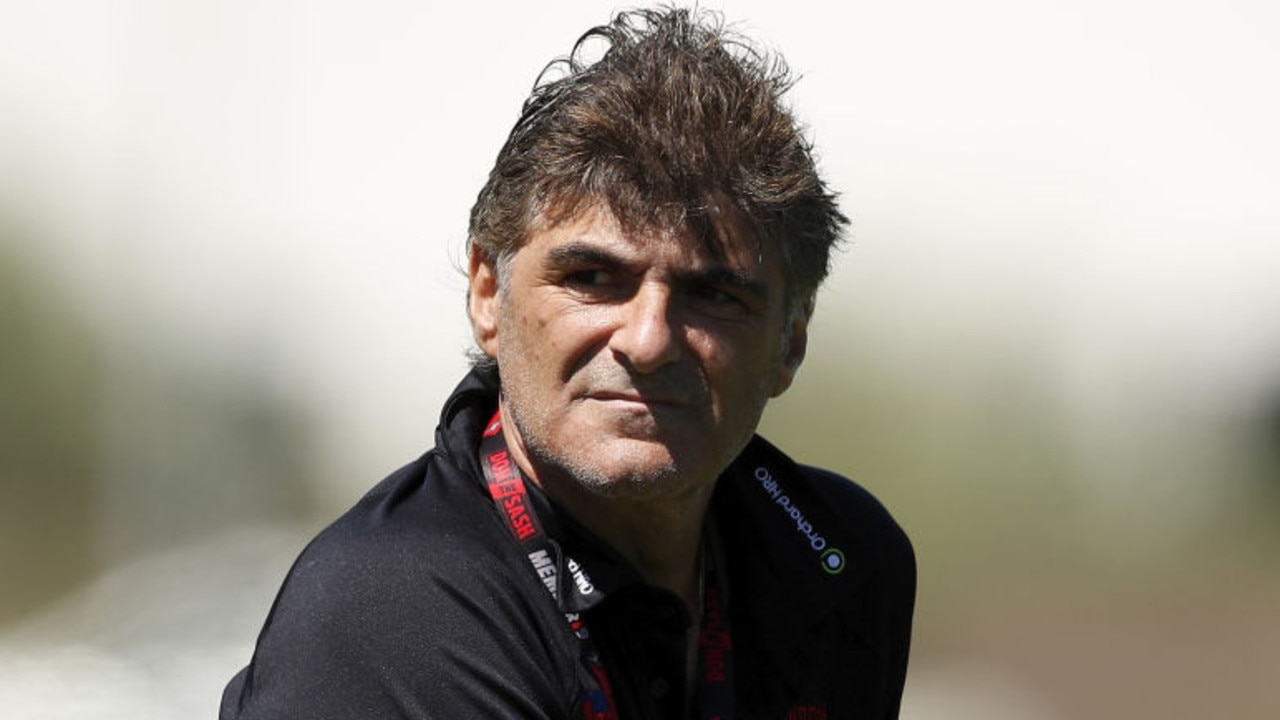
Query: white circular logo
833	561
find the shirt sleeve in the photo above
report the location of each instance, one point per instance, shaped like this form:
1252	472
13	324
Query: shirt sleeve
372	628
898	606
885	592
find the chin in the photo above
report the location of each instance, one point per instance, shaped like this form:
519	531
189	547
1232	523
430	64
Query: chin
637	461
625	468
634	469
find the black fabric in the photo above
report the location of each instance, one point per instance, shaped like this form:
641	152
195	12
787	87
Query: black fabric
418	603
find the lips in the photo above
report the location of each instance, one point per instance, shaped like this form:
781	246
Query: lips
639	398
609	383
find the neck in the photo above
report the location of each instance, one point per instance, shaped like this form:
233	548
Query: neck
662	539
660	535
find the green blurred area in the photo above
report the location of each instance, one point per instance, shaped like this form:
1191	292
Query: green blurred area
113	446
49	387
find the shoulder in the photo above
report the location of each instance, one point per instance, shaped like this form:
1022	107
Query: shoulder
423	549
413	593
861	515
819	503
427	517
833	587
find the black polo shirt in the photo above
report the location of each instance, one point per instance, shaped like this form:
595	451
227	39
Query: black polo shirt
419	603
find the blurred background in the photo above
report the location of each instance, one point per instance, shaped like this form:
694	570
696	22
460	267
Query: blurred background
230	302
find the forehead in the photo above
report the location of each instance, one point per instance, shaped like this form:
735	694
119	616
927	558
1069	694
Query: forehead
716	237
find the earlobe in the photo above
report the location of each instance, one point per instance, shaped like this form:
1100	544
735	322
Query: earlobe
482	302
797	342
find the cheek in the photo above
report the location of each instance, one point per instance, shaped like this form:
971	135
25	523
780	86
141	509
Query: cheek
521	353
742	374
544	346
575	335
729	359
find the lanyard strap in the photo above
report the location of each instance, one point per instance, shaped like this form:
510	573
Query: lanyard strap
715	650
511	496
507	488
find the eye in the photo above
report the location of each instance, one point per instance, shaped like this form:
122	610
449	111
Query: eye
595	285
717	301
715	295
588	278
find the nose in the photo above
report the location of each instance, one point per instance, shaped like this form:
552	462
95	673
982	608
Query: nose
644	337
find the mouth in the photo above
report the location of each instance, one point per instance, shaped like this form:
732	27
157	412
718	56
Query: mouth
637	398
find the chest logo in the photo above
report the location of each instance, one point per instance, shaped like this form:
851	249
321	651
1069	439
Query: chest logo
831	559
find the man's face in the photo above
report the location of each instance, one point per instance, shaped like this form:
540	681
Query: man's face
637	366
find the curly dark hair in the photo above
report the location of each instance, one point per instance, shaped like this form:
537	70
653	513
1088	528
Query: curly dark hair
677	111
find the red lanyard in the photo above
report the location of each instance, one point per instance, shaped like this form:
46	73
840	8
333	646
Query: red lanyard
507	488
715	647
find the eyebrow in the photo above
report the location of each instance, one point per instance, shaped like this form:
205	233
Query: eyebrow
584	253
581	253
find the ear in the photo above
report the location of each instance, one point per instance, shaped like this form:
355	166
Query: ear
483	301
794	350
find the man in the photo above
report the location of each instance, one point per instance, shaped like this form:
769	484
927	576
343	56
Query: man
598	532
